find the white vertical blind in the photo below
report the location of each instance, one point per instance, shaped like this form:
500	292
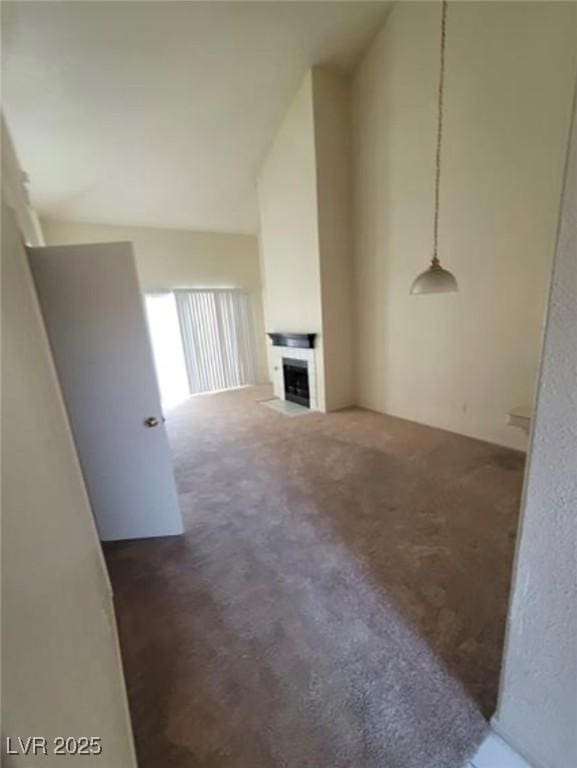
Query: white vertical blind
217	338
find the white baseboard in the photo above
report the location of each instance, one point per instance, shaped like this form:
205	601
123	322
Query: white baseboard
494	752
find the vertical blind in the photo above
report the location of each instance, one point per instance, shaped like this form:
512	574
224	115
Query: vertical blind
217	338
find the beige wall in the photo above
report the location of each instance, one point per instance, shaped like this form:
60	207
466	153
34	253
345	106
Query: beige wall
168	258
332	149
459	361
305	230
14	192
61	666
537	709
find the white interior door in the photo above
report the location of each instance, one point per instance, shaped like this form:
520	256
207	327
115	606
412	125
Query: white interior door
94	316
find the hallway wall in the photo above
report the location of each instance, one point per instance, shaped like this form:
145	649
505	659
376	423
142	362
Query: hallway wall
538	703
62	673
459	361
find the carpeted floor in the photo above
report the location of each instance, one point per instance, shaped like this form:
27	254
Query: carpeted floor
338	599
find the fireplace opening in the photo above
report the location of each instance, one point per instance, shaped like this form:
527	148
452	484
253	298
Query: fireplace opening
296	381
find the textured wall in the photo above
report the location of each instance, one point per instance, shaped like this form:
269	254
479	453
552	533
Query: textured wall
61	670
459	361
538	703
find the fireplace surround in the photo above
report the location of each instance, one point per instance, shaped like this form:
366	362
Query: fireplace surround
294	368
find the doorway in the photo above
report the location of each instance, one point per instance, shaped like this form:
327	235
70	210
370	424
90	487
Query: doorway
203	341
167	348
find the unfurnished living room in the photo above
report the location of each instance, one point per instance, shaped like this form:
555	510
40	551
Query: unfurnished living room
289	384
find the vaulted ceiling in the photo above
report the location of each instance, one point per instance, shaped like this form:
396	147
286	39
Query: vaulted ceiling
159	113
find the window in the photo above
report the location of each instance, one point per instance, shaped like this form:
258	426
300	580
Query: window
203	340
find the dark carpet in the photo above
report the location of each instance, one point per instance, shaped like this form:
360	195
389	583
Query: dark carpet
338	599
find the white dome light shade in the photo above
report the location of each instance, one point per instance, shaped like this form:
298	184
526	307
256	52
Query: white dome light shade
435	280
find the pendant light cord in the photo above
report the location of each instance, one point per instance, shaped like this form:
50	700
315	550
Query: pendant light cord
441	92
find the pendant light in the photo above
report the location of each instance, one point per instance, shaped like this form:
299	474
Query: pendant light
436	279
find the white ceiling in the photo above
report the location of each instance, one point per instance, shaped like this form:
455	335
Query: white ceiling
159	113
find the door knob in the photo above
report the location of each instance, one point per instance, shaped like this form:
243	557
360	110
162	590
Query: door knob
151	421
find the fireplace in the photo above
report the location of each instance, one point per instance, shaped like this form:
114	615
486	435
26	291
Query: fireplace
294	368
296	381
